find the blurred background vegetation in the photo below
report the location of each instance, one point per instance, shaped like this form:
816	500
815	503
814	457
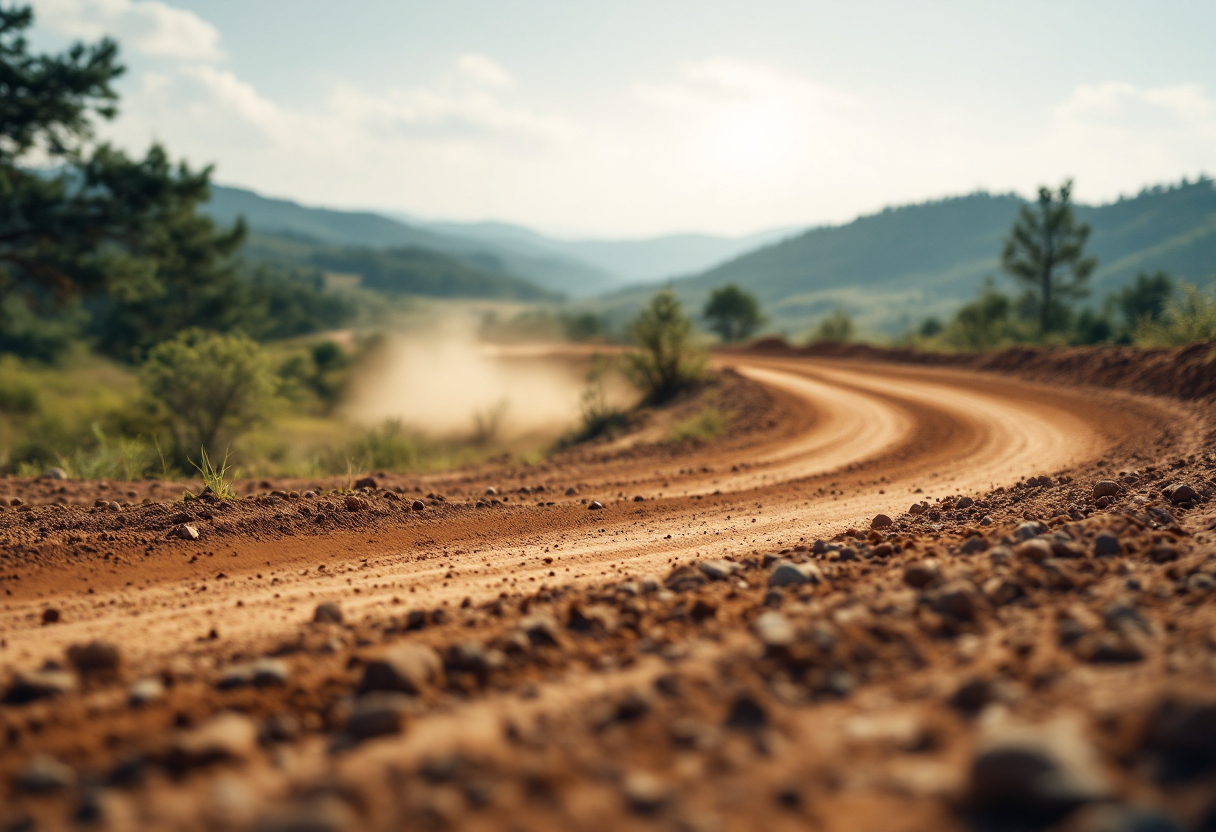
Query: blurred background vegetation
147	314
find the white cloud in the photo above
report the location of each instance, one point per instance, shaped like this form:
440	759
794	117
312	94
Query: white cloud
148	27
483	70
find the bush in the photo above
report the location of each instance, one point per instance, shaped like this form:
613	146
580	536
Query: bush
733	313
208	388
666	362
835	327
700	427
1186	320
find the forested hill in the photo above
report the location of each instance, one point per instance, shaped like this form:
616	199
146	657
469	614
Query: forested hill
902	264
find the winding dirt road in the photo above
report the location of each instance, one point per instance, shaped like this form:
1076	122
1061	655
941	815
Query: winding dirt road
829	445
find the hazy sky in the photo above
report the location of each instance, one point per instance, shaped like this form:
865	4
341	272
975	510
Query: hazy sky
627	118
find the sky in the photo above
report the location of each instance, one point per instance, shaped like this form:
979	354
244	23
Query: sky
624	118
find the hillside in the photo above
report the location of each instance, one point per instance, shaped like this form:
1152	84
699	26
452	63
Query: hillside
349	230
404	270
896	267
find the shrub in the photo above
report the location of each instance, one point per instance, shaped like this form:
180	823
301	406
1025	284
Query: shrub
1188	318
208	387
708	424
666	362
835	327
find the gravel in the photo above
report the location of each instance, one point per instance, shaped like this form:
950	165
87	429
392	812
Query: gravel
407	668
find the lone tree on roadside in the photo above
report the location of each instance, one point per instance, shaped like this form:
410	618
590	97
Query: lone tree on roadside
666	361
733	313
1045	250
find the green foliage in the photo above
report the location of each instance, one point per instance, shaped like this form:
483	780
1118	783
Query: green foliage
1091	327
983	324
666	362
1187	319
215	480
733	313
208	386
1045	250
598	417
584	326
837	326
931	327
700	427
26	333
1146	299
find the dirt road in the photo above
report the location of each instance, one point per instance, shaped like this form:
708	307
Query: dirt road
544	610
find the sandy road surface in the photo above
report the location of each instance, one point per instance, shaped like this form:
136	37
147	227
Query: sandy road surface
869	435
834	444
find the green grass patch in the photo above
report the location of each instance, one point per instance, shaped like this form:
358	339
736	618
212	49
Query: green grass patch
707	424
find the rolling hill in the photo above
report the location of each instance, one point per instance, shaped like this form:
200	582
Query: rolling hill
893	268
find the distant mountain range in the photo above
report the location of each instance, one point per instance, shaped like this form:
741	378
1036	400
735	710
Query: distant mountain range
890	269
570	268
893	268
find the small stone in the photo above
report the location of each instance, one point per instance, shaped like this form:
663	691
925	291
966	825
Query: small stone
638	498
184	532
39	684
354	503
645	793
880	521
973	545
408	668
595	505
365	482
50	615
959	599
1180	492
378	714
1029	529
1107	545
718	570
417	505
43	775
774	630
145	692
650	584
972	696
786	573
541	630
572	491
491	491
1036	549
228	736
964	502
327	612
1105	488
921	573
1034	775
746	714
94	657
54	474
918	508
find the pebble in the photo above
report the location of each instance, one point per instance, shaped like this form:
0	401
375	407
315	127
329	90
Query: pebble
262	673
94	657
145	692
959	599
973	545
354	503
39	684
50	615
1105	488
1029	529
365	482
595	505
918	508
774	630
417	505
718	570
1034	775
228	736
54	474
786	573
650	584
645	793
880	521
1106	545
378	714
43	775
408	668
1180	492
746	714
541	630
184	532
920	574
1036	549
327	612
964	502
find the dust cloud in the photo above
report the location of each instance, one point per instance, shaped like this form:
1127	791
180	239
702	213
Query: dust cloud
444	381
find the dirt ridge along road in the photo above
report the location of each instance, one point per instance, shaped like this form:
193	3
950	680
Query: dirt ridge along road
889	425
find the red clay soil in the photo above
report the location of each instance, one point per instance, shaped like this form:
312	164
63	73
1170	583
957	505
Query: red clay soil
892	597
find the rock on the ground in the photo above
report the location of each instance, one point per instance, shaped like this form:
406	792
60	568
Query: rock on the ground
1105	488
184	532
378	714
1180	492
921	573
774	630
145	692
880	521
39	684
407	668
960	599
1034	775
595	505
43	775
1107	544
327	612
718	570
787	573
94	657
227	736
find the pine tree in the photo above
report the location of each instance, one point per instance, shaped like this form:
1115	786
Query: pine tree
1045	250
733	313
